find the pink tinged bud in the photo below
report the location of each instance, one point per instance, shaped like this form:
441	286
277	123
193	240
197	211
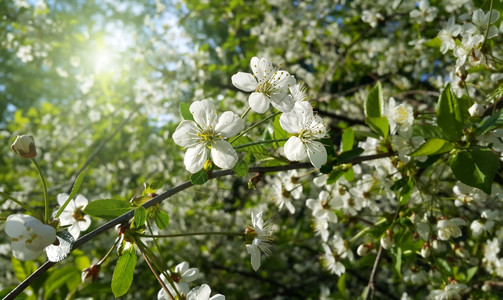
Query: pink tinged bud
365	249
90	274
24	145
426	250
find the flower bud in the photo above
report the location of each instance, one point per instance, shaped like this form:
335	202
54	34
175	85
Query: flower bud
476	110
426	250
364	249
387	240
90	274
24	145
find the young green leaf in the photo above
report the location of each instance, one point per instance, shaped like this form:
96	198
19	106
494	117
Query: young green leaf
374	102
140	215
475	167
199	178
348	139
451	114
241	168
107	208
161	219
495	121
123	273
380	125
433	146
185	111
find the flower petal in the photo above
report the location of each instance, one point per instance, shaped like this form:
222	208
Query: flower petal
295	150
283	80
20	251
81	201
223	155
62	198
185	135
262	68
255	256
259	102
244	81
282	102
195	157
317	154
229	124
204	113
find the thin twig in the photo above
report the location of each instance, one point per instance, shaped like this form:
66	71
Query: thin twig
371	288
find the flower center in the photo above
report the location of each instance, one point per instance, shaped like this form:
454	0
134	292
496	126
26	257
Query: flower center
400	115
266	88
78	214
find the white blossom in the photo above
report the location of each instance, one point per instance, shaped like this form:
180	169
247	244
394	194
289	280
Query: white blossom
29	236
268	86
448	228
451	291
205	137
181	276
305	128
73	214
448	34
203	292
260	231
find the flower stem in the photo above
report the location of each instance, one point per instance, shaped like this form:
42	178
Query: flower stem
44	187
245	113
19	203
191	234
108	253
253	126
258	143
488	25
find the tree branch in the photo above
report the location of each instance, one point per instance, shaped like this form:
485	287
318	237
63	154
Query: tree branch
158	199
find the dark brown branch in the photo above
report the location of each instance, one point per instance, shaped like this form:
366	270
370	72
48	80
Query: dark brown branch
127	216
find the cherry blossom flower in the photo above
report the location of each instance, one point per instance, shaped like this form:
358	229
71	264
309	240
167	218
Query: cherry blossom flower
450	292
323	211
73	214
203	292
448	228
447	35
205	137
182	276
286	188
268	86
258	237
425	12
29	236
305	128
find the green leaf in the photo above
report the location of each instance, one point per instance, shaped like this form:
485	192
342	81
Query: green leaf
475	167
405	192
335	175
349	155
58	278
59	252
241	168
427	131
185	111
374	102
279	132
349	175
123	273
341	285
433	146
436	42
348	139
493	122
140	215
379	125
451	114
471	272
396	253
199	178
161	219
107	208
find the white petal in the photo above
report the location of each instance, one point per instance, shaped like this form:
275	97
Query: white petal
244	81
295	150
81	201
182	267
282	102
262	68
218	297
204	113
255	256
185	134
190	275
290	122
84	224
259	102
317	154
20	251
223	155
62	198
41	235
257	220
195	157
74	230
15	225
204	292
283	80
229	124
